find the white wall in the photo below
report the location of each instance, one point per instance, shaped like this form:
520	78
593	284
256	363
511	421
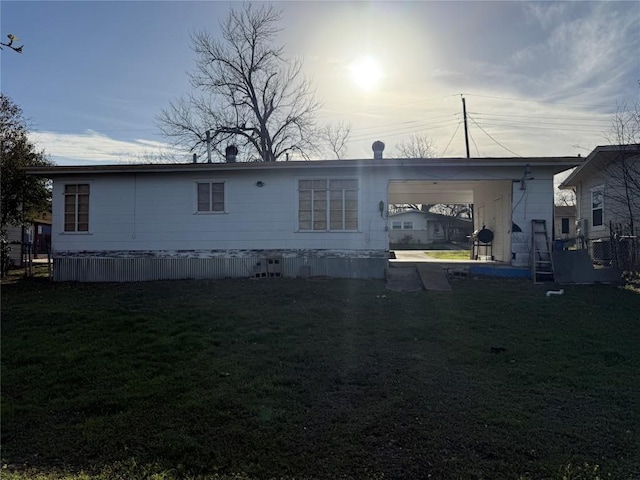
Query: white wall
535	202
492	209
131	212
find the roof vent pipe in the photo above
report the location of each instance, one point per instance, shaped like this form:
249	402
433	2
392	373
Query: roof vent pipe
195	158
231	152
378	148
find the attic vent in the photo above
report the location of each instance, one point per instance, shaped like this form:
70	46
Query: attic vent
231	152
378	148
268	268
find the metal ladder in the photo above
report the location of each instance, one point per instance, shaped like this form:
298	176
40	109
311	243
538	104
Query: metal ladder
541	259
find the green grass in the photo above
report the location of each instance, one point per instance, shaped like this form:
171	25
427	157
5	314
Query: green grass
316	378
448	254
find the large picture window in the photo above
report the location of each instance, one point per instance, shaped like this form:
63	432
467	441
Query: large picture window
328	205
76	207
597	206
210	197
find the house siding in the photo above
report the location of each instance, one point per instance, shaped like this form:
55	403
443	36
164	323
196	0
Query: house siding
154	216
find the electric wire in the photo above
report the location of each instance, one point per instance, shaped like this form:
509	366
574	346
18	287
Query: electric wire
451	139
487	134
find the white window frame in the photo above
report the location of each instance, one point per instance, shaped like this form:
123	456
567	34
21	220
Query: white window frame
407	225
76	203
327	200
224	197
396	225
595	190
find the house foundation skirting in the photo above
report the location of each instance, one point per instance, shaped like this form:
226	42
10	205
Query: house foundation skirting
133	266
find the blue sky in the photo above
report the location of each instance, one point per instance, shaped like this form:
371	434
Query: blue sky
539	78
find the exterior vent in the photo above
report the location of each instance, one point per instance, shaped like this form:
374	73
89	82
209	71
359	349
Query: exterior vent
378	148
231	152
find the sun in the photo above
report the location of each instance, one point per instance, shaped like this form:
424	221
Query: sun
366	73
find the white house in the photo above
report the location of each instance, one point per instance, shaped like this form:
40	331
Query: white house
217	220
422	228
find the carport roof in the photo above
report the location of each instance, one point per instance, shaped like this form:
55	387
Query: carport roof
559	162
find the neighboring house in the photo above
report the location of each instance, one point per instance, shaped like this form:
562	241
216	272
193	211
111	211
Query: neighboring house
564	222
328	217
34	235
423	228
607	188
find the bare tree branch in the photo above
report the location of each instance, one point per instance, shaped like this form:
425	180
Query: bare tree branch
336	136
249	93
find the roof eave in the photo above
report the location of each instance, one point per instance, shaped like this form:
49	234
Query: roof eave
560	162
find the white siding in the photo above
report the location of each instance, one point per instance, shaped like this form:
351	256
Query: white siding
157	212
492	208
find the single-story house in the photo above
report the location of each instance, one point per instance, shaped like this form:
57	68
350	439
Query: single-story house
34	235
422	228
607	188
297	218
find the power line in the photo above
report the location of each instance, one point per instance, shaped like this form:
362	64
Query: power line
536	101
497	142
454	134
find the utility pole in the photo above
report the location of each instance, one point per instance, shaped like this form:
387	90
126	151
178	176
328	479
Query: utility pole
466	131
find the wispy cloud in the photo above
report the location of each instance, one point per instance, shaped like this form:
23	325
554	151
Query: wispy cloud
93	147
589	54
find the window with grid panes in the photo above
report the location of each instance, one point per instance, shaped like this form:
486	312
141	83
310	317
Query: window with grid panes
329	205
210	197
76	207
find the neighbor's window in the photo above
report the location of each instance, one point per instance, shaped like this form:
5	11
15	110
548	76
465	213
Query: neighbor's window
210	197
597	206
76	207
396	225
329	205
407	225
565	225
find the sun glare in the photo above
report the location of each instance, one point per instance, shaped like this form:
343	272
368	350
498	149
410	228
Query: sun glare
366	73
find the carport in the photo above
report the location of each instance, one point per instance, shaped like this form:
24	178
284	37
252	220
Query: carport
491	200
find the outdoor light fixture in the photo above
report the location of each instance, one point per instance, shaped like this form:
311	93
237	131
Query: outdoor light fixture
259	183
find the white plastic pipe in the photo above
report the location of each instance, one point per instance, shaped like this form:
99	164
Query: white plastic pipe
555	292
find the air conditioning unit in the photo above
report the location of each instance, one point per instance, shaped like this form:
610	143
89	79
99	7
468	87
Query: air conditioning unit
582	227
601	250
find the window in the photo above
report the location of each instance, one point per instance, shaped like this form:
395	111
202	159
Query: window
565	225
76	207
329	205
210	197
396	225
597	206
407	225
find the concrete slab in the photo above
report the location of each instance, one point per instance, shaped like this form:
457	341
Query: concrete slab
403	279
433	277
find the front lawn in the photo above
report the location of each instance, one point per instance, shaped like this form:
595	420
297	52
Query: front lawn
319	378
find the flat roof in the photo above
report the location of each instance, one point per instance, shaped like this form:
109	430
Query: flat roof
567	162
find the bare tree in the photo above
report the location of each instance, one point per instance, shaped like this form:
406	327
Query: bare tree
249	93
565	198
623	171
336	136
418	145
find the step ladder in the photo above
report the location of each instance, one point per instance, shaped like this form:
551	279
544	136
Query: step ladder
541	259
